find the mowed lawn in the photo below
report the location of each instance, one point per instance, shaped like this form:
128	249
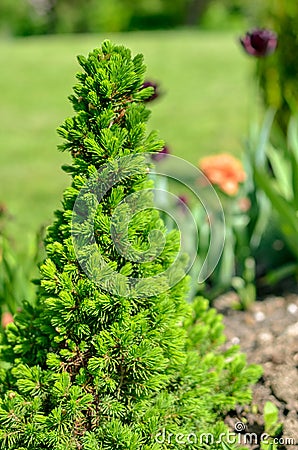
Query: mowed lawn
206	83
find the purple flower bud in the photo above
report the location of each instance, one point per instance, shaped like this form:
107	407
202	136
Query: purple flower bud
154	86
182	203
259	42
161	154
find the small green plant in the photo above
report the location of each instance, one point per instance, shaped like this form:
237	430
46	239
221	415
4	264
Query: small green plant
272	427
111	356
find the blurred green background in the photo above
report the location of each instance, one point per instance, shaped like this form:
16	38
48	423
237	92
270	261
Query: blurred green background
191	49
28	17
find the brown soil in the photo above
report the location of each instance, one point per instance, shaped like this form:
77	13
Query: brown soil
268	334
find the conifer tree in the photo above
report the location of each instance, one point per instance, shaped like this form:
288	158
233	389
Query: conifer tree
111	356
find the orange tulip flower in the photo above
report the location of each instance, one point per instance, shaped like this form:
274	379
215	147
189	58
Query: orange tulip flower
223	170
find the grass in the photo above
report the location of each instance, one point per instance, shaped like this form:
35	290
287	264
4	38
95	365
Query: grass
204	108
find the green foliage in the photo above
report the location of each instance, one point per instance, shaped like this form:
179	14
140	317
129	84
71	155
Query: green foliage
278	73
93	16
90	365
271	419
260	248
17	268
236	268
22	18
275	173
228	232
224	15
272	427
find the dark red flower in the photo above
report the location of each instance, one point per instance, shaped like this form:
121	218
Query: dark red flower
259	42
161	154
182	203
154	86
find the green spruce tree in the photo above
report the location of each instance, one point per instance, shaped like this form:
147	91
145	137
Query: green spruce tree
111	356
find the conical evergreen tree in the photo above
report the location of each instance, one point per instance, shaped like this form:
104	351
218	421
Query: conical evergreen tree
112	356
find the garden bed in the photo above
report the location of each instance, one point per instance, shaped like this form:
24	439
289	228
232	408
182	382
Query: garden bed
268	334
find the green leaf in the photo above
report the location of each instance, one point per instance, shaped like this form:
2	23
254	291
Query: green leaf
270	417
287	214
282	171
260	151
